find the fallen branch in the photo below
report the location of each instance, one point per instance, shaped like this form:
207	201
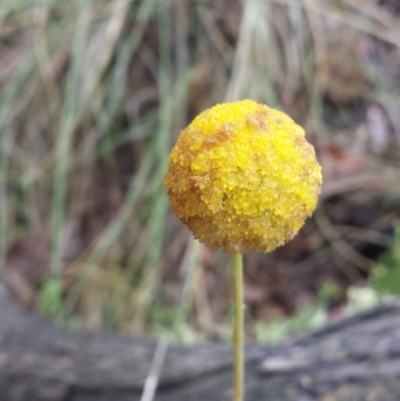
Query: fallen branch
353	359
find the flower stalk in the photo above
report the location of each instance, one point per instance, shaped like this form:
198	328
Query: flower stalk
238	334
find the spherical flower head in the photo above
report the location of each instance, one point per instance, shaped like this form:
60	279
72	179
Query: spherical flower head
243	177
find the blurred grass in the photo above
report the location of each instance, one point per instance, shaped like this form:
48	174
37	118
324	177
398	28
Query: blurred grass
385	279
94	94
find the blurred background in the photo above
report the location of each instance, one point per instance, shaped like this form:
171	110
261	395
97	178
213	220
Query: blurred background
93	95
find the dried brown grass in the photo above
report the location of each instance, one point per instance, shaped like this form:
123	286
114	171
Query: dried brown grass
93	94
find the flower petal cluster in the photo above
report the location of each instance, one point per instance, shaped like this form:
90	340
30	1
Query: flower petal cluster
243	177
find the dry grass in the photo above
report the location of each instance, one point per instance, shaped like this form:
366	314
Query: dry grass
94	93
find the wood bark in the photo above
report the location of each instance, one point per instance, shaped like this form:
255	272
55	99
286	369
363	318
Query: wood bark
355	358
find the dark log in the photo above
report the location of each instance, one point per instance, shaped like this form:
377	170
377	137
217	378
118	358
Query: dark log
356	358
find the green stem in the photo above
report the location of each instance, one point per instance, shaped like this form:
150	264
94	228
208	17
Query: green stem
238	334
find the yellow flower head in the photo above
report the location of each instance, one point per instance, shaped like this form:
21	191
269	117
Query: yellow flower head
243	177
